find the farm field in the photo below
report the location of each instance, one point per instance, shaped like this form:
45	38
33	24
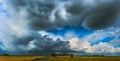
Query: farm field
57	58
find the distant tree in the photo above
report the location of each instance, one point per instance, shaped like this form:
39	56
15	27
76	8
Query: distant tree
71	55
6	54
53	54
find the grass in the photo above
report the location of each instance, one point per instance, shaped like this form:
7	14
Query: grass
19	58
58	58
80	58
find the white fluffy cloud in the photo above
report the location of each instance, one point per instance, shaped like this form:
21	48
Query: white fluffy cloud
105	48
88	43
79	45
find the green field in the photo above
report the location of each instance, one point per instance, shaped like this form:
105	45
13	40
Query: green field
57	58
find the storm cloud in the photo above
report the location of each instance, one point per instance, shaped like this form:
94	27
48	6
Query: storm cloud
32	43
48	15
28	17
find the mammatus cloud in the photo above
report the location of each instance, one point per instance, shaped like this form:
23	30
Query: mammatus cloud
48	15
28	18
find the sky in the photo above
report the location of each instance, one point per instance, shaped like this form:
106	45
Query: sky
31	27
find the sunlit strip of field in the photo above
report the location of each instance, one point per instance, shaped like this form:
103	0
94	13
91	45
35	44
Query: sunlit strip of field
57	58
19	58
80	58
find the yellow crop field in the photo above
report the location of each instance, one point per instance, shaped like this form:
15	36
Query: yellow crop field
79	58
19	58
57	58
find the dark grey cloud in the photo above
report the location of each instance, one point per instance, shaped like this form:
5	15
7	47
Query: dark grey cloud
77	13
102	16
32	43
75	8
98	16
39	15
25	39
47	44
38	12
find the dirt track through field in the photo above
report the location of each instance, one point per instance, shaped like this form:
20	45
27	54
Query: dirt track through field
45	59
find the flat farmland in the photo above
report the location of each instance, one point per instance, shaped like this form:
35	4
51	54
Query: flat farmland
80	58
57	58
19	58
